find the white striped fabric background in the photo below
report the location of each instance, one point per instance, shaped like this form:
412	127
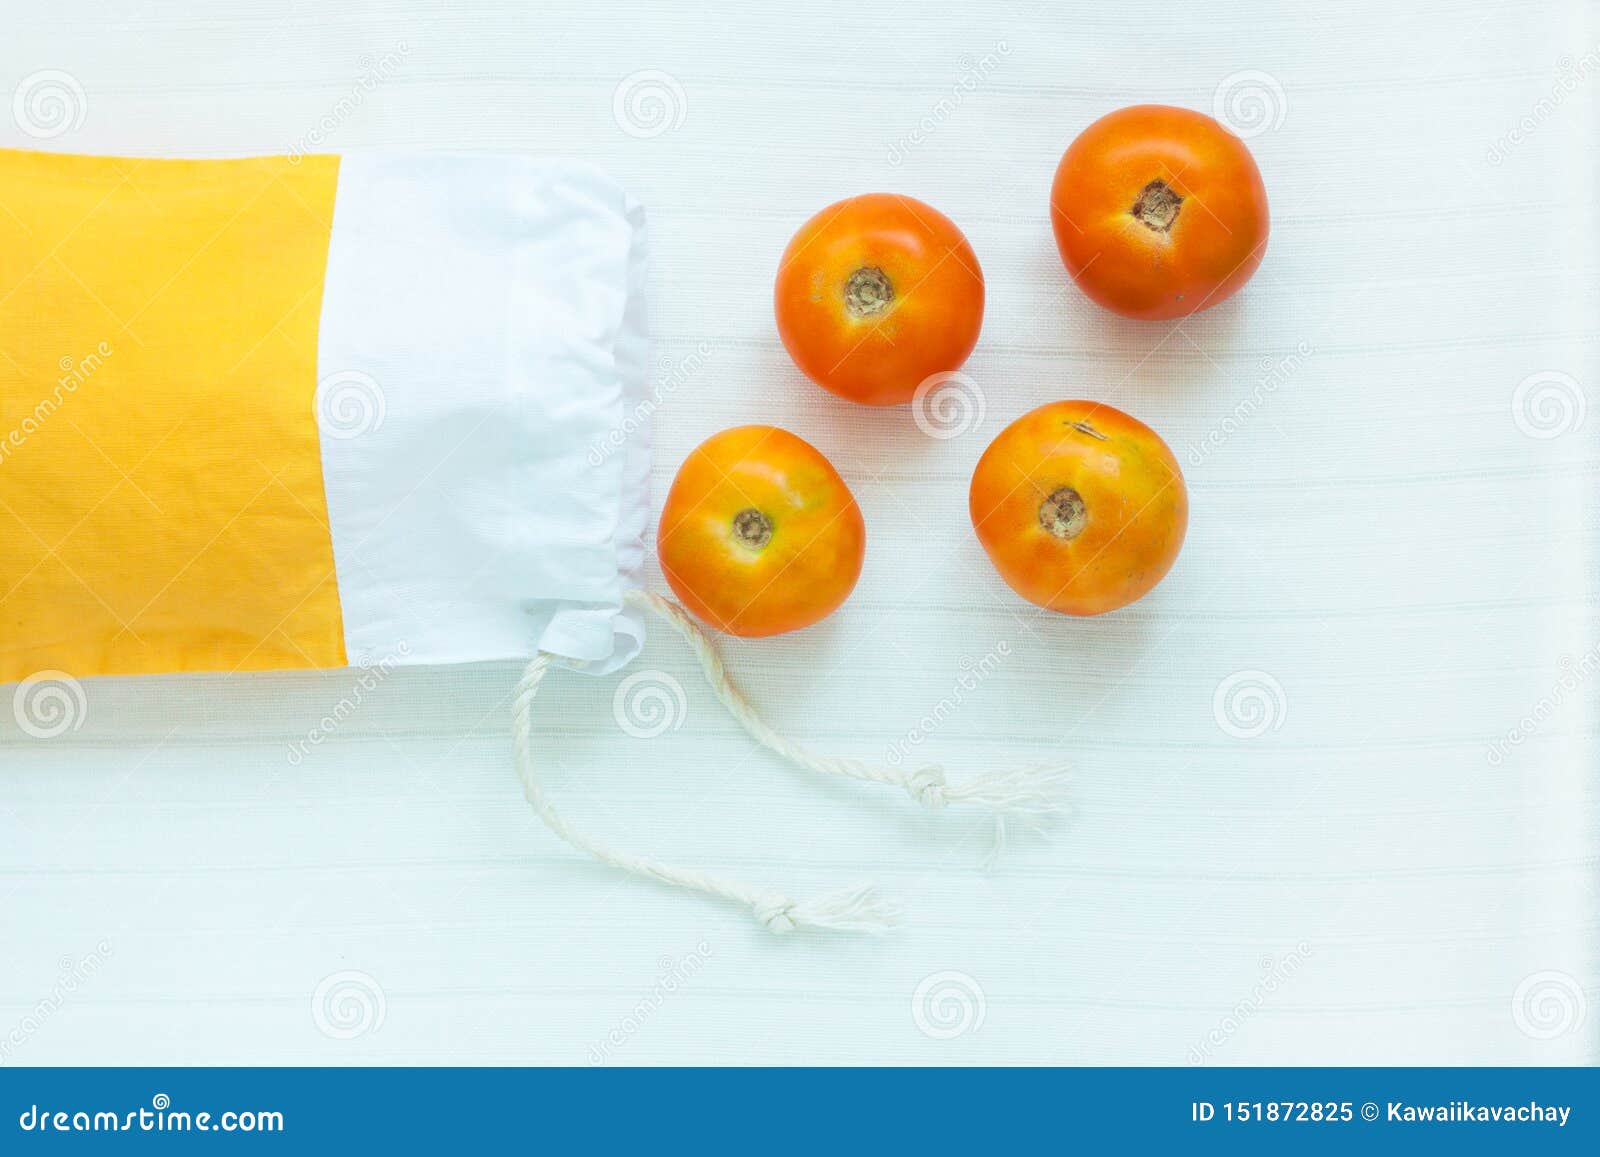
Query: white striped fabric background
1392	547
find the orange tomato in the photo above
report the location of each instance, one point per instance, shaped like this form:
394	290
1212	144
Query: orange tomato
1080	507
759	534
876	294
1159	212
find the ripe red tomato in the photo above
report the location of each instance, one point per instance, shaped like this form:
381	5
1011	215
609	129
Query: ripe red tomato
877	293
1081	508
1159	212
759	534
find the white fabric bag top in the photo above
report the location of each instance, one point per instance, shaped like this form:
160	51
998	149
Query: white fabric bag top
483	332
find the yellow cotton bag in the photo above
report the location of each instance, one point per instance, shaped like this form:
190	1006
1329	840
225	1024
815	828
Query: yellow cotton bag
299	412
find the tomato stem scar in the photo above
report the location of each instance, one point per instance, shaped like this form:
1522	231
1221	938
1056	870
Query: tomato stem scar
1063	513
751	528
868	292
1157	206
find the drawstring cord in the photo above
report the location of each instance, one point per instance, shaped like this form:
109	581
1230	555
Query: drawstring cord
1028	794
1025	793
857	909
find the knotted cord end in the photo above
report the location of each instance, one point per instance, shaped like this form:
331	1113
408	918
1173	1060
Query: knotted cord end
929	787
1031	793
857	909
